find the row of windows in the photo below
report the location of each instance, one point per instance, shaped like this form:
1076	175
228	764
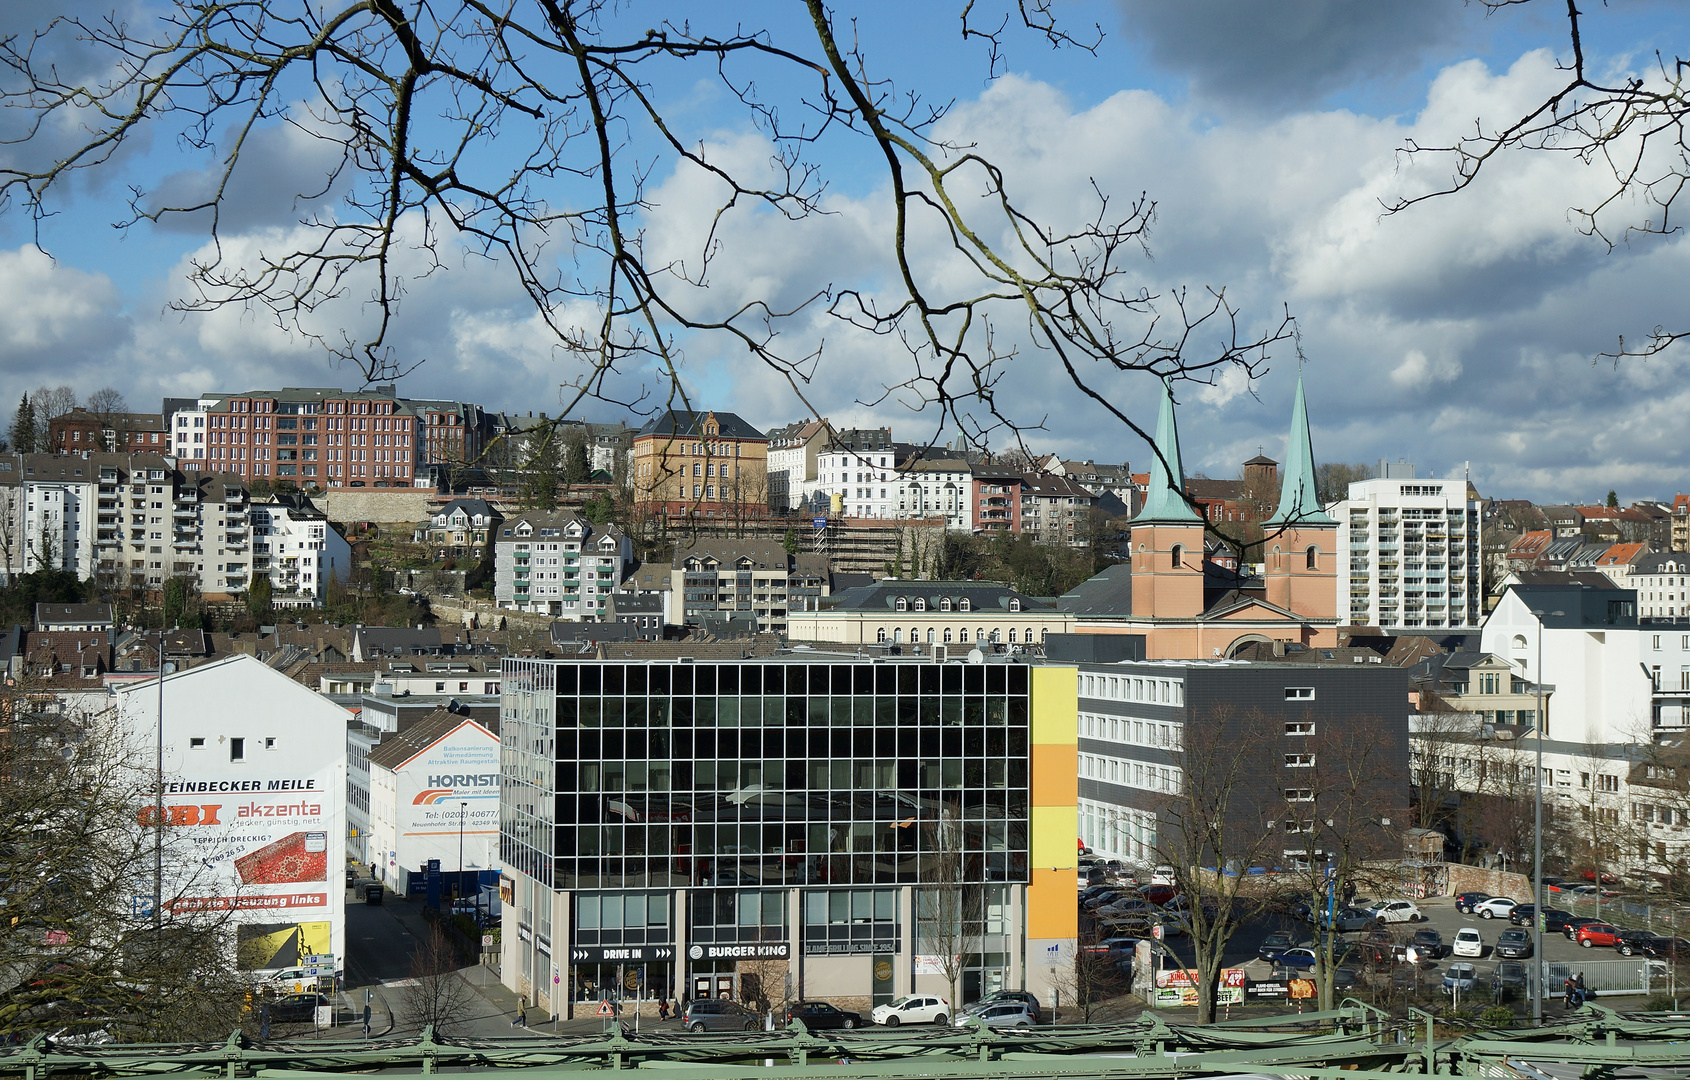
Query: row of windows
663	680
770	777
892	716
920	603
943	636
1125	688
1136	774
861	866
1135	732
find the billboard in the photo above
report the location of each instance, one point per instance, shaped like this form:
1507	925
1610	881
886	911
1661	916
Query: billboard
265	846
450	785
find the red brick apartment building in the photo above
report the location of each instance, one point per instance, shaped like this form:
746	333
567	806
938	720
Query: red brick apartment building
306	435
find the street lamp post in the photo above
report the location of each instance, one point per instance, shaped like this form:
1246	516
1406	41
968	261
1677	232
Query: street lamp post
158	797
1537	833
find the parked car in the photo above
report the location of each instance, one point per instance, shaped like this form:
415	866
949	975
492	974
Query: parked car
1597	933
1607	879
820	1014
1394	911
1631	942
1511	975
913	1009
1158	892
1121	908
1464	901
1462	977
1348	920
1003	1014
999	997
1553	918
1430	944
1300	957
1570	928
719	1014
297	1008
1468	942
1583	892
1497	907
1099	899
1514	944
1276	942
1670	949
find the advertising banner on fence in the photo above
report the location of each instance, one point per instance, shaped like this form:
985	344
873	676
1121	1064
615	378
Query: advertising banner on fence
1175	989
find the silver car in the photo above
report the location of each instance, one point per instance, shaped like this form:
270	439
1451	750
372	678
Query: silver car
999	1014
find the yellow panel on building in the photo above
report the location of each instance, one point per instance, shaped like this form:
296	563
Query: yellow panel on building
1056	705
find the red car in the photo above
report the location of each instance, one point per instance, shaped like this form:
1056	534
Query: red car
1597	933
1158	894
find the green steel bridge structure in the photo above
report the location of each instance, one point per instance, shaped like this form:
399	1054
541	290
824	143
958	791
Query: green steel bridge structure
1353	1042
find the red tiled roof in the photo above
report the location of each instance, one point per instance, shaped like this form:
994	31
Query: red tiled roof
1621	554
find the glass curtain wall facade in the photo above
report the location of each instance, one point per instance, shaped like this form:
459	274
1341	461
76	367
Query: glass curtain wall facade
726	805
668	775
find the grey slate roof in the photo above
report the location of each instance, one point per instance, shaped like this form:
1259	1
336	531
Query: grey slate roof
681	422
883	596
81	614
1107	592
1662	562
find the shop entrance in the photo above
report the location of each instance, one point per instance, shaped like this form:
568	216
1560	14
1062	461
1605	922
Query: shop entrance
712	986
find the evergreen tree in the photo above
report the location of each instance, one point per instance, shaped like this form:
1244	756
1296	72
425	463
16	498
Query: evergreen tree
23	427
576	466
1613	500
258	597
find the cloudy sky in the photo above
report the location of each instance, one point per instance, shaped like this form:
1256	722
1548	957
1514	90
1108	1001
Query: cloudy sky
1461	334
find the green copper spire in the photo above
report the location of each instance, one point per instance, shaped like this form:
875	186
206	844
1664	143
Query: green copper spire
1298	502
1166	502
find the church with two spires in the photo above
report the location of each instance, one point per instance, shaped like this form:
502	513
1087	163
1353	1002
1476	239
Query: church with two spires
1187	607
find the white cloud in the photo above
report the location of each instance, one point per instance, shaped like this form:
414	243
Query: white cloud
1460	330
1416	370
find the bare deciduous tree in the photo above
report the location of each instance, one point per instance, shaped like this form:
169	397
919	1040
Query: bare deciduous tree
1632	125
413	100
435	995
81	946
1213	828
948	905
1350	829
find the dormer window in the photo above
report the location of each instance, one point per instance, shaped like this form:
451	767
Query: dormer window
965	604
1014	604
902	604
945	604
921	603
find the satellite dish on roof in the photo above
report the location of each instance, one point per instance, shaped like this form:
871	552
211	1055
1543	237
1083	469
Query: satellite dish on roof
975	656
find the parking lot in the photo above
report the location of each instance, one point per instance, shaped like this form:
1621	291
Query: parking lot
1605	968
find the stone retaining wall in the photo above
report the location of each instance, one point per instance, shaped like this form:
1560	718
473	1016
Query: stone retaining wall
384	507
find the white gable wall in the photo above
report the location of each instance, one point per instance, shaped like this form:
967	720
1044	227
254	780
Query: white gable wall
263	790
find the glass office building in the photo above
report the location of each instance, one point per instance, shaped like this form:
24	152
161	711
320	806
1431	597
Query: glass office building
688	819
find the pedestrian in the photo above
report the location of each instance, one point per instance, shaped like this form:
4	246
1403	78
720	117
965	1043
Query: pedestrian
1568	988
372	869
521	1020
663	1008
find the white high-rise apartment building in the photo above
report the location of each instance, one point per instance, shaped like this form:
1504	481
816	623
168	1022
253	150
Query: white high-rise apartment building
1413	553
